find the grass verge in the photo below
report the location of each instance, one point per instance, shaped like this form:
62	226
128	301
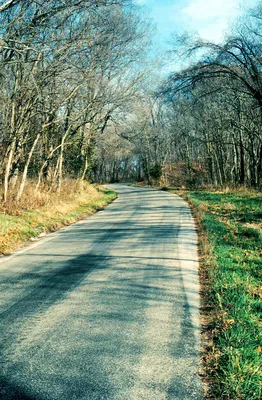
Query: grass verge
43	212
230	232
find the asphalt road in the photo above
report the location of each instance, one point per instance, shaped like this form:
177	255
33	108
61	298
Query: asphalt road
107	308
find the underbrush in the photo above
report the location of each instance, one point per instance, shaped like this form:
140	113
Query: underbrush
46	211
230	233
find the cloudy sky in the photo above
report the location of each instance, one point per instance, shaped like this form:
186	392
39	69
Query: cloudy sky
210	18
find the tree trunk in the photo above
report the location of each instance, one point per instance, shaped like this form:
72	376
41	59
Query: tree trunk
85	168
24	176
41	172
242	162
259	166
60	166
8	168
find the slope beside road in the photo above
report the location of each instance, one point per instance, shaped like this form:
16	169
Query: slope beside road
107	308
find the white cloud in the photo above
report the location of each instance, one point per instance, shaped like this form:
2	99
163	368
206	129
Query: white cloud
141	2
200	10
210	18
214	32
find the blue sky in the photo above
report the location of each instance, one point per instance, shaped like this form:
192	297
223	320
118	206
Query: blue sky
209	18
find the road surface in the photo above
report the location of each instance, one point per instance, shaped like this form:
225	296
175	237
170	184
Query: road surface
107	308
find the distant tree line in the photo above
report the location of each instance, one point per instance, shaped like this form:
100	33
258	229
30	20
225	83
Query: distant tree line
202	125
215	104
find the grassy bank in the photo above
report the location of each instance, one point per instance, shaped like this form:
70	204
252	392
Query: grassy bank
43	212
230	226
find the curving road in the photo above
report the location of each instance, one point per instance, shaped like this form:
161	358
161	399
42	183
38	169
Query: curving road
107	308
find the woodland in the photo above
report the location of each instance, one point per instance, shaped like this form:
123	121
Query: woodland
84	96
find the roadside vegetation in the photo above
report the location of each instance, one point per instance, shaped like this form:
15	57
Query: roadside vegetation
41	212
230	232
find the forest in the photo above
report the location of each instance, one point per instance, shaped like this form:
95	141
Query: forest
83	97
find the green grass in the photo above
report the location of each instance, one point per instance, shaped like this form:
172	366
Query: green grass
20	224
232	224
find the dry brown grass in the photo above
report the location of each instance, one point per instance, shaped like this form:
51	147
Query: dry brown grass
229	207
208	313
72	192
254	225
46	211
